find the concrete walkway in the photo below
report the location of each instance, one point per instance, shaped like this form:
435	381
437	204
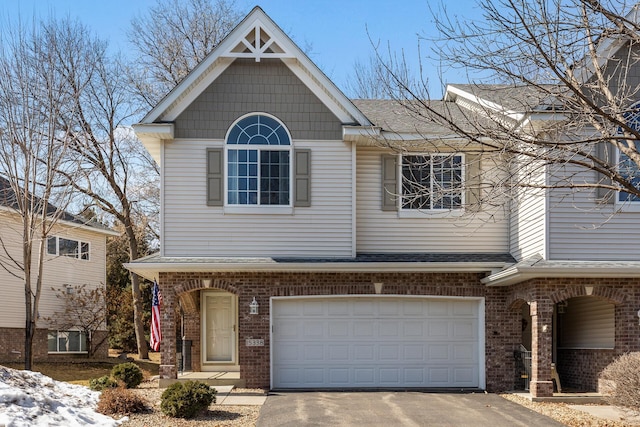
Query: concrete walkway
225	397
608	412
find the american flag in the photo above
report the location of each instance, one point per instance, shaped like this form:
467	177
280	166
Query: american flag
156	335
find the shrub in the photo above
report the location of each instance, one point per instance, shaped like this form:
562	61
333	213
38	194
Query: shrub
120	401
129	373
623	377
99	384
186	399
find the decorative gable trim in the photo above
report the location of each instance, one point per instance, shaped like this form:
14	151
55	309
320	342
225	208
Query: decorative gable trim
256	37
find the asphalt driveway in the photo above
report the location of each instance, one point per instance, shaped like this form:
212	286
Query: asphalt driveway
395	409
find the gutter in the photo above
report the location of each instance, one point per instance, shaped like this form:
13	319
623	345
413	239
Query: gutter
515	274
151	270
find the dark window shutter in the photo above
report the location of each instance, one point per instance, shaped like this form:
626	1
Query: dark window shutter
302	178
473	181
215	168
605	152
389	182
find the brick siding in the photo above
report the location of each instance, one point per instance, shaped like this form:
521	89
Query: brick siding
503	333
12	346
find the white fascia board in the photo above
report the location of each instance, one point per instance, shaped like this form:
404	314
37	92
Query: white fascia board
151	270
512	114
193	89
516	275
152	135
373	135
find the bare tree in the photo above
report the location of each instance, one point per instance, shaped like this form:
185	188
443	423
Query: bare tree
85	310
564	97
33	96
115	173
172	38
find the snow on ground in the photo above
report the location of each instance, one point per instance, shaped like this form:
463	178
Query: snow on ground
32	399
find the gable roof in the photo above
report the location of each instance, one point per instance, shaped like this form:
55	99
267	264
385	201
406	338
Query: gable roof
257	37
9	201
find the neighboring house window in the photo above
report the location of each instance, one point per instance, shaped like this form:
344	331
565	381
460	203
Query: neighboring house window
432	182
258	153
67	247
67	342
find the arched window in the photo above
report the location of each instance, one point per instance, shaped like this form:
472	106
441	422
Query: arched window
258	153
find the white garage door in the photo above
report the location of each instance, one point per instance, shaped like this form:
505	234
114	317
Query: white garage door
370	342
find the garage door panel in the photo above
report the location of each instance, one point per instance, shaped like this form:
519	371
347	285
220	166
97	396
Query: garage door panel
339	353
374	342
362	329
363	352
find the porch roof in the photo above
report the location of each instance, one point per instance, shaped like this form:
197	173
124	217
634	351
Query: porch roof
536	268
150	266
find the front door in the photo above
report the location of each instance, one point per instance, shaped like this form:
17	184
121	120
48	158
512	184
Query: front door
219	327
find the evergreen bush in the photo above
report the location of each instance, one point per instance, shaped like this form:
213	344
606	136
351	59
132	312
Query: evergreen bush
186	399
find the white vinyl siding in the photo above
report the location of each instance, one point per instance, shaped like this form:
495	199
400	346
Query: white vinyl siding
191	228
384	231
581	229
587	323
58	272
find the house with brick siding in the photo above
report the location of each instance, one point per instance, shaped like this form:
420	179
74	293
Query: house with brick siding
305	243
75	255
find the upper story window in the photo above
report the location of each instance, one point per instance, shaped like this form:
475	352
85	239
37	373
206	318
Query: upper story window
258	158
432	182
67	247
627	167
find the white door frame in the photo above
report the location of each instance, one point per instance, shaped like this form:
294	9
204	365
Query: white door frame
482	378
203	330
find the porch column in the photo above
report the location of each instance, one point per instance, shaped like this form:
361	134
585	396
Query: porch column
541	353
168	320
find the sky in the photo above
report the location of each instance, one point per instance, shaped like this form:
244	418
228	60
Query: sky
29	399
337	31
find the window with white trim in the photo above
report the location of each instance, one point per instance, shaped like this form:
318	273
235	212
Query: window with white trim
258	161
67	342
432	182
67	247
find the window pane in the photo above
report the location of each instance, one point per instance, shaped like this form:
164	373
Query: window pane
432	182
74	341
52	341
52	243
629	169
63	341
68	247
84	250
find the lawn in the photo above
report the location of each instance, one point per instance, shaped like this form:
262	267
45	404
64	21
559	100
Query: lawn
81	371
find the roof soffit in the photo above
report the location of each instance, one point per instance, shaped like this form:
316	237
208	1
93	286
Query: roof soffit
257	37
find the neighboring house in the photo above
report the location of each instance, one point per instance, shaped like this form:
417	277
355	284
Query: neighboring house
278	190
75	255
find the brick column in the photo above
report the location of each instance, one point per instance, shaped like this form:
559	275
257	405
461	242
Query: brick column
168	318
541	353
192	332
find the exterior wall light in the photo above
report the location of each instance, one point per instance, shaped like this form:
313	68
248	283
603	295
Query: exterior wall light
638	317
253	307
